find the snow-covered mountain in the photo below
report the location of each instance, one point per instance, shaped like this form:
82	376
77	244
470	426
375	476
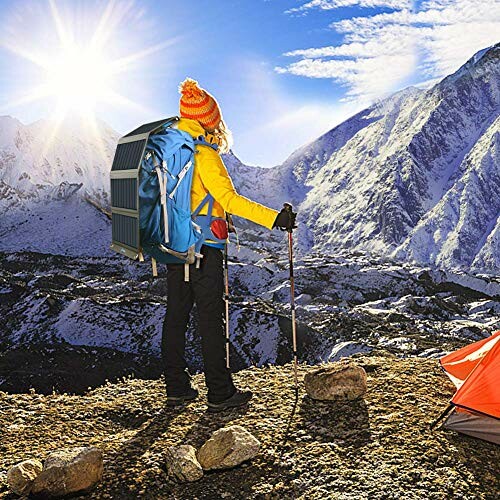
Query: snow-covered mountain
416	176
50	175
47	160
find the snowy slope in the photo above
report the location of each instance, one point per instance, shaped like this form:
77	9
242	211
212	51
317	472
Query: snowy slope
68	226
113	303
461	227
46	174
418	177
35	159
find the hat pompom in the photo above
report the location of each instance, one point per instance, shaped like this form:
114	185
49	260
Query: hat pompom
190	89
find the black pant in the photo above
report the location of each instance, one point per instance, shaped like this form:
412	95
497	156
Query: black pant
206	288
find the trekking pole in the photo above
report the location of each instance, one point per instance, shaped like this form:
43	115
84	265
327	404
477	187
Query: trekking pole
288	208
226	299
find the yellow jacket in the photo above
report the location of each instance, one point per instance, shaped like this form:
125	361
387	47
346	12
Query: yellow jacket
210	176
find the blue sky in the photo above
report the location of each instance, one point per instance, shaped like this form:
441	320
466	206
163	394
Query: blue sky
284	71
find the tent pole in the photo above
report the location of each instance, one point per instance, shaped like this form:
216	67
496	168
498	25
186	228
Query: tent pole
442	415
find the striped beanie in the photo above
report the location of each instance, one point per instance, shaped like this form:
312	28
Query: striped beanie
197	104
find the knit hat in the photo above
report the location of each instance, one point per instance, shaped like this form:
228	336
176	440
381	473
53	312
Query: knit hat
197	104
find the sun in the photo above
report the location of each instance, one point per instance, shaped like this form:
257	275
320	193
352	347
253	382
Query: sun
79	77
77	73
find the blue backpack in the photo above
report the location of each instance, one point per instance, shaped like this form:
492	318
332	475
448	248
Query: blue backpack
169	231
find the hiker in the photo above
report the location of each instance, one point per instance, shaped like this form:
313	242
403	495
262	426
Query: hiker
201	116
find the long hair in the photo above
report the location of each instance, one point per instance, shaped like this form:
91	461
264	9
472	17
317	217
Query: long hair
222	136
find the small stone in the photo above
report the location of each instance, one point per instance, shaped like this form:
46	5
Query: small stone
20	477
339	380
183	464
228	447
303	299
68	471
347	349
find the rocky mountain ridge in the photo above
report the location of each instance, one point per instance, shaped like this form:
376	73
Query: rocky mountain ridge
104	314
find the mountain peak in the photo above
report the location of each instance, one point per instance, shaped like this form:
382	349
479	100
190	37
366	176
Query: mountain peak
9	118
495	48
480	59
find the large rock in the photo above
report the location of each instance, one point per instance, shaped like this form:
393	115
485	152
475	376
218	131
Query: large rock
340	380
68	471
227	448
20	477
182	463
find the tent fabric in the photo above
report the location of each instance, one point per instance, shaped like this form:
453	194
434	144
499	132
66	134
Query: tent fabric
459	364
475	371
478	426
481	389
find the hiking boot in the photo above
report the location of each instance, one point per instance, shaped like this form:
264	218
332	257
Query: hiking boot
190	395
239	398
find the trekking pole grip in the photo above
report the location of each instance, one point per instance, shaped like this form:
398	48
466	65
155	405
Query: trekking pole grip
288	208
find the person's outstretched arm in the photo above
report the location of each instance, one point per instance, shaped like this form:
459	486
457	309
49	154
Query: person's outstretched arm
216	180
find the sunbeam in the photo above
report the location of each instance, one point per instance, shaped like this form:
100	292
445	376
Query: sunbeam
35	57
55	124
78	65
64	37
124	62
34	94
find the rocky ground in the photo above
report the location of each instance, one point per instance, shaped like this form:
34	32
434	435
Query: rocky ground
376	447
69	323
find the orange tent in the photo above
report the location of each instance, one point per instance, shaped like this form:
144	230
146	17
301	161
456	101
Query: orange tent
475	371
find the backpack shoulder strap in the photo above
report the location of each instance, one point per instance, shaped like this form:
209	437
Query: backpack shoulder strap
201	141
208	199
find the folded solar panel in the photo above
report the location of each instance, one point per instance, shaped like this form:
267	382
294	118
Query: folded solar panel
125	171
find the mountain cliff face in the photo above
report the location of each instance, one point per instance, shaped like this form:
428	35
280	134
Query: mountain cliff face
416	176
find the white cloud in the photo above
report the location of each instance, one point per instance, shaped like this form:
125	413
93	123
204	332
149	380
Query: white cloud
374	77
336	4
380	53
269	122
